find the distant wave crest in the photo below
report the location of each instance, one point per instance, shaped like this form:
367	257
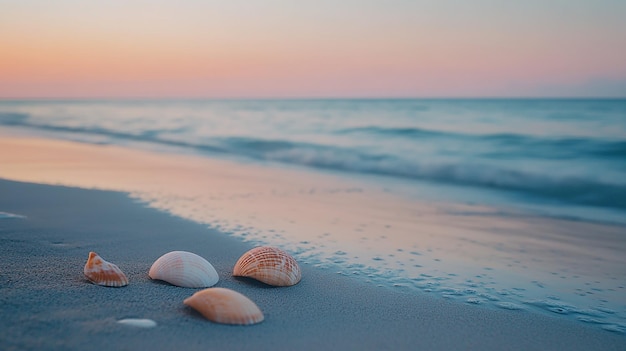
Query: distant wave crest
511	145
570	189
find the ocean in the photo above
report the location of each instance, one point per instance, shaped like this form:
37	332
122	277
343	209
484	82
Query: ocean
489	166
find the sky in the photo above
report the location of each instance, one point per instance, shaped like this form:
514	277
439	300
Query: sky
306	48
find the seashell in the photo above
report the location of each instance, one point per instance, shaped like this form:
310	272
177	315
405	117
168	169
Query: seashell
269	265
138	322
185	269
225	306
101	272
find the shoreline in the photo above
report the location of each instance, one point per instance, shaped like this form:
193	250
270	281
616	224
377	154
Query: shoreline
47	304
468	253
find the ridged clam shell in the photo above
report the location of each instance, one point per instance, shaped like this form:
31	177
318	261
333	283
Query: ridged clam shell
269	265
101	272
185	269
225	306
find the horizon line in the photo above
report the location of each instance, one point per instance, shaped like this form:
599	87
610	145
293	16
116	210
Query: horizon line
310	98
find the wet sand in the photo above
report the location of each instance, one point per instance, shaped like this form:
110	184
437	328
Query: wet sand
46	303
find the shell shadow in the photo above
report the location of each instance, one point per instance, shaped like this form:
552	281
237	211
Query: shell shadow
160	282
255	283
193	313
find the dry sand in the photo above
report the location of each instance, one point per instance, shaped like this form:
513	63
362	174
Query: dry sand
46	303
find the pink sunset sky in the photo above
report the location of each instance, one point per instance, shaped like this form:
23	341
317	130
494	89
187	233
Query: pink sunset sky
343	48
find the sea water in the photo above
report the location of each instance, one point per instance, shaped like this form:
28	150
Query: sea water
531	193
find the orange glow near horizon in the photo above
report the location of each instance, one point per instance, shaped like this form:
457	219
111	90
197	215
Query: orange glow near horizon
71	49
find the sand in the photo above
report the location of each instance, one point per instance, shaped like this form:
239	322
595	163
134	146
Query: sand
47	304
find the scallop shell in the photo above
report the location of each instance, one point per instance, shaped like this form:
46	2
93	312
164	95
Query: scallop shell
225	306
101	272
185	269
269	265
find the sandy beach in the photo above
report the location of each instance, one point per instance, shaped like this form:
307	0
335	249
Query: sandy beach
446	177
47	304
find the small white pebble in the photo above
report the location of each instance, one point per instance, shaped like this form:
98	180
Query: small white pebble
138	322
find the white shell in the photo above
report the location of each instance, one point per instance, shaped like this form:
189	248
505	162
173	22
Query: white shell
185	269
138	322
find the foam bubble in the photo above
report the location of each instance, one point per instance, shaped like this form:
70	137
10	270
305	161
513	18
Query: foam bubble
509	306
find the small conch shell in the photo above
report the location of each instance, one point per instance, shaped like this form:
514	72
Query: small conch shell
225	306
101	272
185	269
269	265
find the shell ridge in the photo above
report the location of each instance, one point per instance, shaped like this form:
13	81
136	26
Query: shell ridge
269	265
225	306
185	269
